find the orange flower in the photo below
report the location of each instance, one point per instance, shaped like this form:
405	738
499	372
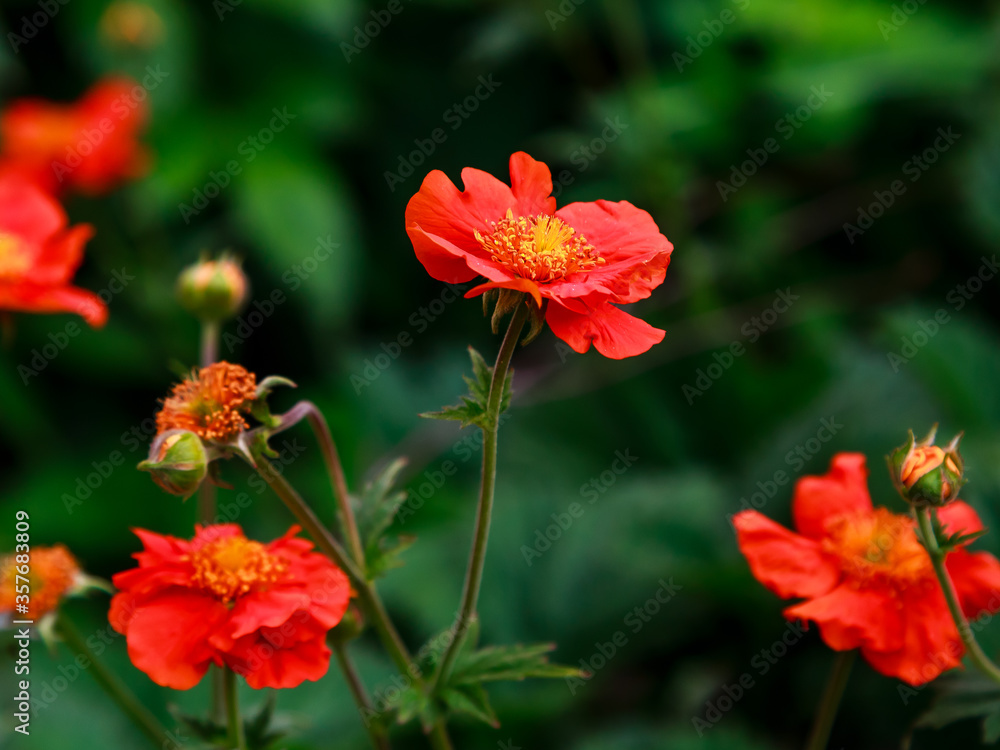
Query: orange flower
90	145
263	610
578	263
867	581
52	573
39	255
211	403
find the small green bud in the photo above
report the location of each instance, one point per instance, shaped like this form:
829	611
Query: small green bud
178	462
213	290
927	474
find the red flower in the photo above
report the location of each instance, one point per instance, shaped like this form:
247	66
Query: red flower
867	581
52	573
90	145
39	254
582	260
263	610
211	402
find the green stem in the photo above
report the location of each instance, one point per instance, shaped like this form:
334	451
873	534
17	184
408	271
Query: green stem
830	702
937	555
484	513
439	737
209	352
237	738
113	686
376	732
339	483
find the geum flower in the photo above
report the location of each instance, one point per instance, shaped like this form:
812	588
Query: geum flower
90	145
580	261
263	610
866	580
39	255
52	574
212	403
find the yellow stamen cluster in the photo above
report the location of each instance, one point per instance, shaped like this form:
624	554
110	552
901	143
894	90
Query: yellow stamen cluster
52	572
14	260
880	546
233	566
541	248
210	403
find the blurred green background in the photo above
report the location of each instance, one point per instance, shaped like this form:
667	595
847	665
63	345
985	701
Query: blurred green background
832	99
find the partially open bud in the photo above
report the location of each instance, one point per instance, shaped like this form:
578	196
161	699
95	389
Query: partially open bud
177	461
925	473
213	290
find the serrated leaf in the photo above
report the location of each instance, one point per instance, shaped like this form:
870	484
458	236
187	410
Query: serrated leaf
472	410
517	662
473	701
258	728
376	509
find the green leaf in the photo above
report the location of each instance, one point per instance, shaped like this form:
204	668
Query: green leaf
517	662
376	509
473	701
472	410
258	727
965	697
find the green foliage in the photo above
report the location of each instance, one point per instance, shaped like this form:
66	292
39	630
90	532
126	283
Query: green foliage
473	409
968	696
376	509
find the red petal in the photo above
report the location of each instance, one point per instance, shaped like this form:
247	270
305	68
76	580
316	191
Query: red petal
520	285
168	637
265	609
788	564
264	666
50	299
60	257
976	576
842	490
531	183
636	254
959	517
614	333
930	641
851	618
28	213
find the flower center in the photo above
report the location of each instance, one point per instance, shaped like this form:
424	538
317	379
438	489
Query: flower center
211	403
231	567
879	547
14	259
541	248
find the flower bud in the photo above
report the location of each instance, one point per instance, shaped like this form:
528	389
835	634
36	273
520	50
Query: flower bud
178	462
213	290
925	473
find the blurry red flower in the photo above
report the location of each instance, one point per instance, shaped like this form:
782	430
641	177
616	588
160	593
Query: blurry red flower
39	255
867	581
211	403
583	259
90	145
52	573
263	610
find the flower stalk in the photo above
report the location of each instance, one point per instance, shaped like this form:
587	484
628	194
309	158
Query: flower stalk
829	704
113	685
376	733
938	555
484	513
237	735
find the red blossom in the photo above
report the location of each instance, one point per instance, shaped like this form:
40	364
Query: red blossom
866	580
580	261
39	255
263	610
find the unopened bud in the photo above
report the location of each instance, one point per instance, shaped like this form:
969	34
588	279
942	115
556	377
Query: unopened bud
213	290
177	461
927	474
